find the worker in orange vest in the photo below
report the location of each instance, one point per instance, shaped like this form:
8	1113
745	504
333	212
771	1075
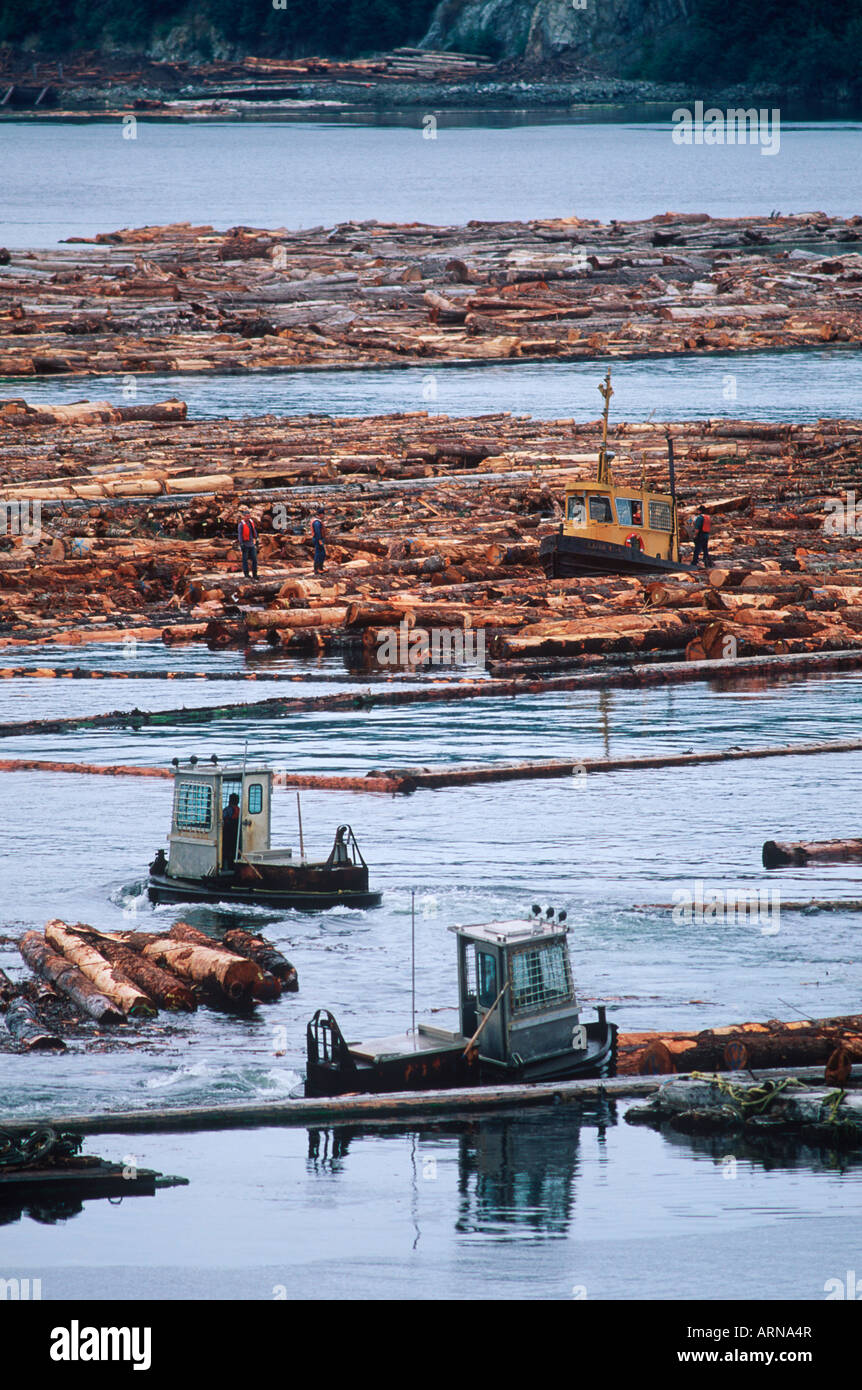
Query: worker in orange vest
247	537
702	527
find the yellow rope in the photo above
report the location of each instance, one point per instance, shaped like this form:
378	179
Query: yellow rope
751	1099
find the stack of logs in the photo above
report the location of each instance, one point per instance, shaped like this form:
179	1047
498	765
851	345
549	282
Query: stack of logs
808	1042
432	521
112	977
190	298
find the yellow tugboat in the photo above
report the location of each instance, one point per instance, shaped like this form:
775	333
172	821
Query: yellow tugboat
614	529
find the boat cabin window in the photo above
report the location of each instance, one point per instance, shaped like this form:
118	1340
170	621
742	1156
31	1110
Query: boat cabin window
230	786
660	516
486	973
630	511
255	798
600	508
194	806
576	508
540	976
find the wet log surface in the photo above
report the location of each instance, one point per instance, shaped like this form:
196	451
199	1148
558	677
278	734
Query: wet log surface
193	298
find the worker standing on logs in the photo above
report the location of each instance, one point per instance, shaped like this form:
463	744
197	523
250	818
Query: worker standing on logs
247	537
702	527
318	536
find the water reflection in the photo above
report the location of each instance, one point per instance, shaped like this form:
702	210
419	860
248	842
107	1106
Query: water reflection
516	1173
771	1151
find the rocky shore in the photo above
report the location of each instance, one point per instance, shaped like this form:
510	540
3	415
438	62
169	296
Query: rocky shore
91	84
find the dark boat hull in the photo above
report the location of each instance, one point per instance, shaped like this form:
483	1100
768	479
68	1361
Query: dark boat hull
564	557
448	1069
162	889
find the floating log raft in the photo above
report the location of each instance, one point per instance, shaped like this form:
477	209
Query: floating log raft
68	979
776	856
114	564
181	298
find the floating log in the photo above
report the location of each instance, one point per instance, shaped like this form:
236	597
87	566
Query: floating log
777	856
25	1026
352	1110
809	1042
160	985
229	976
107	978
68	978
263	954
264	986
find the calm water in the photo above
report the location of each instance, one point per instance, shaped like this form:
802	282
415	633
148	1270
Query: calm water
75	180
546	1205
793	386
605	847
564	1204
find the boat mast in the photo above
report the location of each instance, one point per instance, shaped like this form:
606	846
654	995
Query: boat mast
603	475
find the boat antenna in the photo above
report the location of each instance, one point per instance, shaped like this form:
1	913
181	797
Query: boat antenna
299	817
413	955
604	473
673	516
241	790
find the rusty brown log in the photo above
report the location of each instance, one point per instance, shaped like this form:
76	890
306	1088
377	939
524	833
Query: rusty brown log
160	985
263	954
262	985
777	855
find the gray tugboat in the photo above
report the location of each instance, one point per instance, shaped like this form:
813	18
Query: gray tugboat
220	847
519	1022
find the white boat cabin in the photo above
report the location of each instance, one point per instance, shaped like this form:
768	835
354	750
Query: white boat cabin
210	799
